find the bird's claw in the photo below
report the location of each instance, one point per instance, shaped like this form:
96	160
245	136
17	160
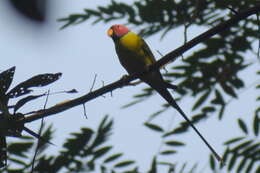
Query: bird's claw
124	77
171	86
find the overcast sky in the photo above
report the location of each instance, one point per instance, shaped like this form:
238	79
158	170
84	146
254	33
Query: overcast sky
83	51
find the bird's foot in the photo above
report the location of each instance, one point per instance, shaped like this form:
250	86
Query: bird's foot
124	77
171	86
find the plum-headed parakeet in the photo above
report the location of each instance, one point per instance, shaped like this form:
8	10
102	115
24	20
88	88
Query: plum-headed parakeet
135	56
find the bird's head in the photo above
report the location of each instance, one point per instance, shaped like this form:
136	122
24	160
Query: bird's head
117	31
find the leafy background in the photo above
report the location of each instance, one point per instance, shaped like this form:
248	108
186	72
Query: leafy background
221	75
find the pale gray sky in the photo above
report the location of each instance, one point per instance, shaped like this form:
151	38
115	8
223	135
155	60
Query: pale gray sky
82	51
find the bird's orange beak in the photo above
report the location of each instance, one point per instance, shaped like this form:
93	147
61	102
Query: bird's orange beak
110	32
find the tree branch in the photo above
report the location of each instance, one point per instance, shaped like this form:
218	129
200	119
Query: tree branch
124	81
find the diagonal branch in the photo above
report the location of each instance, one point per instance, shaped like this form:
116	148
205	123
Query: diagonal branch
125	80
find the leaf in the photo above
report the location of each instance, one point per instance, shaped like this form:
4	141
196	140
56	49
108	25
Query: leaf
201	100
183	168
228	89
46	136
242	145
100	152
167	152
103	132
221	112
232	161
153	168
124	164
218	98
225	157
103	169
17	161
166	163
152	116
6	78
212	162
25	100
250	166
208	109
183	128
36	81
174	143
19	148
241	164
251	149
72	91
198	117
256	124
233	140
78	141
132	103
112	158
153	127
242	126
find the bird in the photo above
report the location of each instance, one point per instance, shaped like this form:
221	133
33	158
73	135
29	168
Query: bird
136	57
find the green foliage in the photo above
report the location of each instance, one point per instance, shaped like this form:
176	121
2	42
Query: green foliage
85	150
8	123
242	153
211	75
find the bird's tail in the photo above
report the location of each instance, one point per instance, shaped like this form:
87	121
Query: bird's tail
167	96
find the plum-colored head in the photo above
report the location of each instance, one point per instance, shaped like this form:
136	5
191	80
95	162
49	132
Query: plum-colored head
117	31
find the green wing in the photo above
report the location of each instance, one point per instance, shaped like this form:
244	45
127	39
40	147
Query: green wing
149	57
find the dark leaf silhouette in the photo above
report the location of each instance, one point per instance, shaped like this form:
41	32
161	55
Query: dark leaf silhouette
6	78
212	162
174	143
153	127
201	100
256	124
19	149
75	144
242	126
25	100
100	152
123	164
153	168
36	81
112	158
168	152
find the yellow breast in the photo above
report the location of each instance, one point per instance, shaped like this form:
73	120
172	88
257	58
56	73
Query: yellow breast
131	41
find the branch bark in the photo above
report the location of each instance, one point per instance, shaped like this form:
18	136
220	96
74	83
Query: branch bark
124	81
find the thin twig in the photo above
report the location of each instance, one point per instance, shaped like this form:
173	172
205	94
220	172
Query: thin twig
186	26
185	36
164	67
258	33
93	84
84	109
232	10
40	131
